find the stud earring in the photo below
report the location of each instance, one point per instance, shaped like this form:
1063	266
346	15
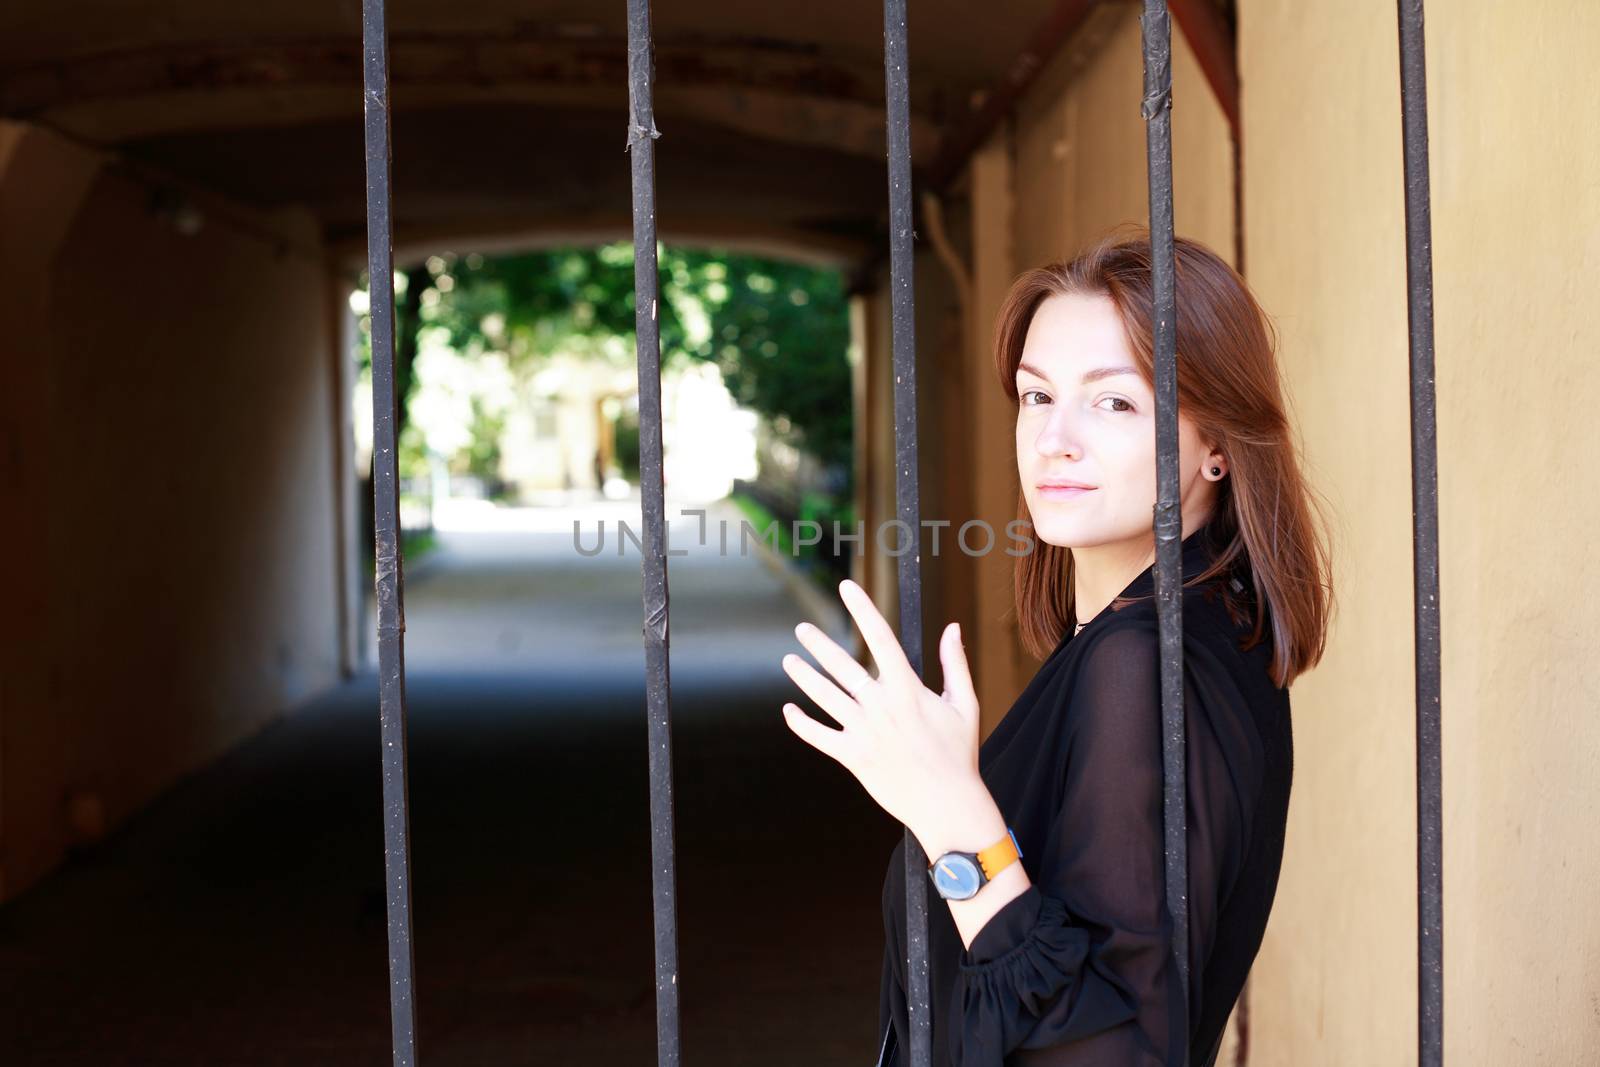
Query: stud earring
1216	470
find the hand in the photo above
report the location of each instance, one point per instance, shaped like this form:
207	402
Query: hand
914	751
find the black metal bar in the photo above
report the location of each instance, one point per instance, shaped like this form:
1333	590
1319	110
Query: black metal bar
902	303
641	149
386	520
1168	518
1424	539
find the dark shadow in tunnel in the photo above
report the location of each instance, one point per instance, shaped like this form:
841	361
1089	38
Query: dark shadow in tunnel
241	919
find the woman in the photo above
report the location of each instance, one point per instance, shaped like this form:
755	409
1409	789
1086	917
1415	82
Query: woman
1049	936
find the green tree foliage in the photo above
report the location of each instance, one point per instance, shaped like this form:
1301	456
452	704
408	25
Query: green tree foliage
777	331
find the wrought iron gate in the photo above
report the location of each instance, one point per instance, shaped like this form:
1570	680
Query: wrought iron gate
1155	109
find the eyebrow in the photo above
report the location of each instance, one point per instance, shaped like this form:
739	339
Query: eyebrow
1089	376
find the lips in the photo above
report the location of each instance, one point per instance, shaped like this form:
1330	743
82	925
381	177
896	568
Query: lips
1063	490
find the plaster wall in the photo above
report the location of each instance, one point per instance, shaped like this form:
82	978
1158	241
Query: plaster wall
170	421
1516	245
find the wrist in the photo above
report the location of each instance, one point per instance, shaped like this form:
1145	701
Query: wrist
968	822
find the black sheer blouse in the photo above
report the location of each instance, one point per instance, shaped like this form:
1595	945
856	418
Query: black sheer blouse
1076	970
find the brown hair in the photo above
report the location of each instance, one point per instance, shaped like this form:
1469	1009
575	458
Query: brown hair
1228	387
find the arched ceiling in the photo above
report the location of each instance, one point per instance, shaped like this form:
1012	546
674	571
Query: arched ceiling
511	116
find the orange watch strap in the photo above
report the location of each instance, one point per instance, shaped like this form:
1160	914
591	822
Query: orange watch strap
1000	855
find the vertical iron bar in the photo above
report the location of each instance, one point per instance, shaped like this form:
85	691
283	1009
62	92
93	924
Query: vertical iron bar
907	504
641	149
386	508
1424	539
1168	518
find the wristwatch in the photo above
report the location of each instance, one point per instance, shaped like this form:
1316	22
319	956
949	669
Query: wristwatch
959	875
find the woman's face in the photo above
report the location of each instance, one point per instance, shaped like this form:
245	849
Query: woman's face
1086	415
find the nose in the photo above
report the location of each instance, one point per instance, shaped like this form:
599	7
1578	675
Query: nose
1057	436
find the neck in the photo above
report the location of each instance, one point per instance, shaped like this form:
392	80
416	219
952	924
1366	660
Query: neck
1100	572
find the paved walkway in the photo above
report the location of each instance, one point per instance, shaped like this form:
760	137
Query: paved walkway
240	919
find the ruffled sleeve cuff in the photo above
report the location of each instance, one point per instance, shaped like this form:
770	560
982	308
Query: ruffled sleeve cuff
1006	929
1027	957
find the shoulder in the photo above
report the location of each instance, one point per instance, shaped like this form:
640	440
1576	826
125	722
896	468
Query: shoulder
1212	633
1117	666
1204	607
1126	643
1114	695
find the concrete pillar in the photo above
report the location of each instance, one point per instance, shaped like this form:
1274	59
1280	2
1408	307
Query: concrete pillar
994	646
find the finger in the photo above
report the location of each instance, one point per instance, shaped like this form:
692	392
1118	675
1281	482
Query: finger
824	739
958	686
850	675
829	697
876	631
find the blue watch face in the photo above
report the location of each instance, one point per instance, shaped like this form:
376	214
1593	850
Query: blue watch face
956	877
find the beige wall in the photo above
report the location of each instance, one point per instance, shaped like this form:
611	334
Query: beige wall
1516	227
1080	147
170	423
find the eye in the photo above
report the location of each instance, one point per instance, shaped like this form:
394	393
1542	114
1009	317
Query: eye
1031	392
1120	400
